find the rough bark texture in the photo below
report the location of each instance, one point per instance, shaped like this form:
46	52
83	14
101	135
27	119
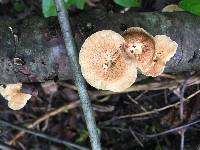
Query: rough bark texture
33	51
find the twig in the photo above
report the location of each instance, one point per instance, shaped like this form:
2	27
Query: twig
152	86
91	3
73	105
180	93
4	146
139	96
63	18
100	108
45	117
158	110
67	85
182	132
108	122
45	136
182	102
155	85
182	139
156	134
165	95
139	115
136	138
169	131
135	101
168	76
22	146
198	147
61	109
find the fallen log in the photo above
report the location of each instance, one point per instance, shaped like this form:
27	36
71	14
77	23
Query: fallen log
32	50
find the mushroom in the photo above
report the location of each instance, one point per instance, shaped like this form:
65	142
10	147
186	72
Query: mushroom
104	64
140	46
172	8
151	53
165	48
16	99
108	60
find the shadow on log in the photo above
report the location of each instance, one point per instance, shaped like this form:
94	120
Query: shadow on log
32	50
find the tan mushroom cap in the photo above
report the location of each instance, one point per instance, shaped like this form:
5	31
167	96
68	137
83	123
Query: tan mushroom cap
165	49
103	64
16	99
172	8
140	46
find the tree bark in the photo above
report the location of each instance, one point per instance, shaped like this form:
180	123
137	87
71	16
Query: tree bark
32	50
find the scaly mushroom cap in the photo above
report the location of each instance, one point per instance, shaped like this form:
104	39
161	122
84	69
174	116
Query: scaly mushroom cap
103	62
16	99
165	49
140	46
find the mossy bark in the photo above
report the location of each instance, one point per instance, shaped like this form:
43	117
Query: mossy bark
32	50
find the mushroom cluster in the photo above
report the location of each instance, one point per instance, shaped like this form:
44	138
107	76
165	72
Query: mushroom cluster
16	99
109	61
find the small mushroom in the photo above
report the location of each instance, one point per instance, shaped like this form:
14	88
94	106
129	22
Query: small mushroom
16	99
165	48
151	53
172	8
140	45
104	64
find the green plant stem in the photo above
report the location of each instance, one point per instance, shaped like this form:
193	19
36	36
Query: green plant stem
77	76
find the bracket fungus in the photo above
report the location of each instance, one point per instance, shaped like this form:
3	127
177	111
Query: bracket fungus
104	64
16	99
109	61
